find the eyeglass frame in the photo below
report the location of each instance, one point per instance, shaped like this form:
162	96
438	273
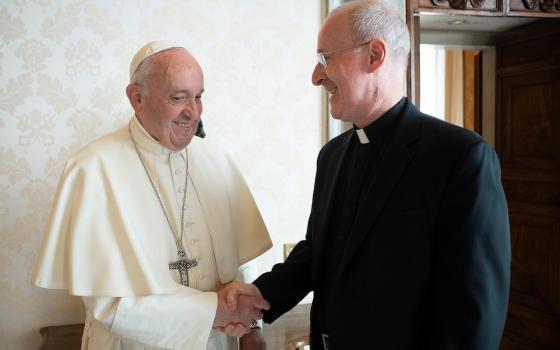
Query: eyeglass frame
323	56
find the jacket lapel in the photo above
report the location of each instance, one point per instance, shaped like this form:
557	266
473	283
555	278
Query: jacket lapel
395	159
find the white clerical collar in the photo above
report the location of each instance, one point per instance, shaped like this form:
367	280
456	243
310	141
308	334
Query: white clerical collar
362	136
147	142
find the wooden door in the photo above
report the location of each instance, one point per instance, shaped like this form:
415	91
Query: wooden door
528	144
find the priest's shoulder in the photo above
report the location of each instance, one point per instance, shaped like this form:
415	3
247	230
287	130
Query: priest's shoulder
107	145
337	141
441	134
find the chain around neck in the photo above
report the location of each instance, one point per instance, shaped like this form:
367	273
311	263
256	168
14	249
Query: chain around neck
177	238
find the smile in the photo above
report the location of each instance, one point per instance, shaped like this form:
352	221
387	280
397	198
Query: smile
184	125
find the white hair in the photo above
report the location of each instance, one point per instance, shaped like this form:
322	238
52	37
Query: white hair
140	77
374	18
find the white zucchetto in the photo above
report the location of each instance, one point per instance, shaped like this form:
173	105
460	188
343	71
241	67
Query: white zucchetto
149	49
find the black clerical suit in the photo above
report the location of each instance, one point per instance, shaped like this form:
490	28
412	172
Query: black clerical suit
407	245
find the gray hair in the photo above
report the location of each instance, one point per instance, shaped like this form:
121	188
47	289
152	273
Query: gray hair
140	77
146	68
374	18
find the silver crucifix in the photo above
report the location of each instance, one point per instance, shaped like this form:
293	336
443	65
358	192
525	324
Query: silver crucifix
183	265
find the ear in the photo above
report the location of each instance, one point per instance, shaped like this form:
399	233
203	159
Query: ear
377	54
135	97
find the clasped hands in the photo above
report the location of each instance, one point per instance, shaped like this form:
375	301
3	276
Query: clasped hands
239	306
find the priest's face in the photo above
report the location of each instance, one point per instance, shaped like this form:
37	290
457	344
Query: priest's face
171	103
345	77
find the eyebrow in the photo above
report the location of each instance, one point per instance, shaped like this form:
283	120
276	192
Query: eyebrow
188	92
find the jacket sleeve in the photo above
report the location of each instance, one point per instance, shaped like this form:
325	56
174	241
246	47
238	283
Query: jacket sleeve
473	255
289	282
180	320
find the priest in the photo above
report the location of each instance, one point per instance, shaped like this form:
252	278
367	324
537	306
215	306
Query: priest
149	222
408	241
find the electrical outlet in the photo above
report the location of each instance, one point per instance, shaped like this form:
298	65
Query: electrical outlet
288	248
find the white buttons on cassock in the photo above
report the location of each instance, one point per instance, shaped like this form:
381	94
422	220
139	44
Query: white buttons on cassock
178	172
192	241
181	189
201	276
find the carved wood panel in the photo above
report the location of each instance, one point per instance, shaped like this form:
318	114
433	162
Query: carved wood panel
543	7
535	262
483	5
528	134
543	45
526	8
529	127
460	4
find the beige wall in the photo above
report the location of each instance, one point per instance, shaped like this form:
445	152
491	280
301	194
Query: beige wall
63	70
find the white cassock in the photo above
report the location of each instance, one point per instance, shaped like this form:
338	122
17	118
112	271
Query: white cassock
108	241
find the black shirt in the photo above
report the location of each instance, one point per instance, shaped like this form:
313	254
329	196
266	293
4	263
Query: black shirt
358	170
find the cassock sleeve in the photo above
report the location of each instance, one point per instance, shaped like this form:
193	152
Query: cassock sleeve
179	320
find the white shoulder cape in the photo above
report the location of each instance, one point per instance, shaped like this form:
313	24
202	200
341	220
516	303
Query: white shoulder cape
107	234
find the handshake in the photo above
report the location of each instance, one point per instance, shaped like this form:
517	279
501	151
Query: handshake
239	307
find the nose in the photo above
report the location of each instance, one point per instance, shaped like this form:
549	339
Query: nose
318	75
192	108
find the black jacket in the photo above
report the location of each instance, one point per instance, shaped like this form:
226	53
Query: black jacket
427	262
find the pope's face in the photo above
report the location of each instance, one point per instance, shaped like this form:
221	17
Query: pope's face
171	110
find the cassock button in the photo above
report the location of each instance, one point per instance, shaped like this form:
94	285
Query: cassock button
178	172
192	241
181	189
201	276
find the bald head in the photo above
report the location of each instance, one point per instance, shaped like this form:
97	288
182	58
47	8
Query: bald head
368	19
156	65
363	52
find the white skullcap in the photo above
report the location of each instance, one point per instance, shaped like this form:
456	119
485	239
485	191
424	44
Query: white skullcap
149	49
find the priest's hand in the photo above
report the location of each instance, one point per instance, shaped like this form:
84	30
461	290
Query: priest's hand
248	309
253	340
235	289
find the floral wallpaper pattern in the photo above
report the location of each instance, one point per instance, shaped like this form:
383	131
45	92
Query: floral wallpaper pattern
63	73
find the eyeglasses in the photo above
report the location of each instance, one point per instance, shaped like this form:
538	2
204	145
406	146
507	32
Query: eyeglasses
323	56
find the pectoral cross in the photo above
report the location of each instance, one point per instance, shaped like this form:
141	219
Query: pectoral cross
183	264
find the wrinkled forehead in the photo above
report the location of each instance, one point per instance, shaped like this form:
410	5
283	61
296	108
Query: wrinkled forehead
175	57
176	64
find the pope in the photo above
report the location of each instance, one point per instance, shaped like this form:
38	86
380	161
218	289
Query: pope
149	222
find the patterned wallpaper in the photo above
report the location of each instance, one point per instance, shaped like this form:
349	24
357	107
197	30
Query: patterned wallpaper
63	73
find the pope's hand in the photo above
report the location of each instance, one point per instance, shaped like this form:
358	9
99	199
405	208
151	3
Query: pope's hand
248	308
235	290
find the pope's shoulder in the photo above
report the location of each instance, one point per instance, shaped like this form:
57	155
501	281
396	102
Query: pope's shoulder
108	145
118	143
